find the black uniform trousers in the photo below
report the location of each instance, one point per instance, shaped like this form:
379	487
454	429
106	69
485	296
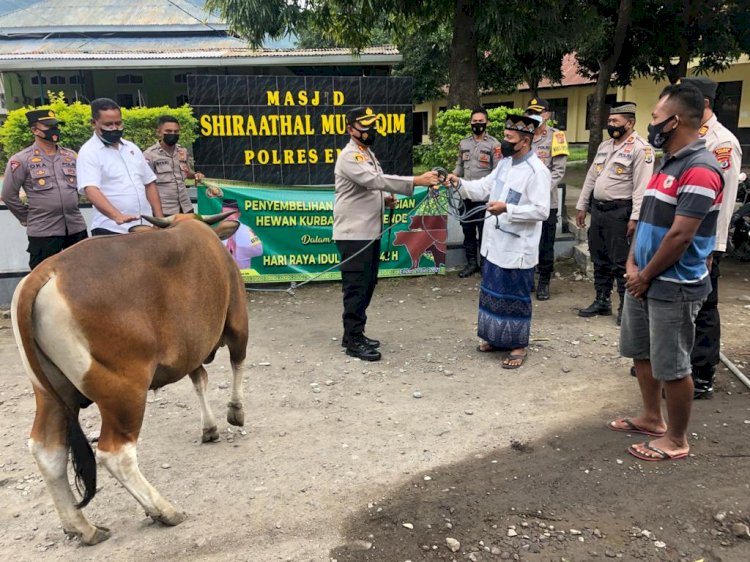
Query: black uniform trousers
358	279
608	244
546	264
472	230
705	354
42	247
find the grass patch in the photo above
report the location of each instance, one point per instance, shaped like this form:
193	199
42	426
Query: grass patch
578	153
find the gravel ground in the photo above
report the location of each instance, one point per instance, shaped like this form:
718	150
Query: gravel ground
434	453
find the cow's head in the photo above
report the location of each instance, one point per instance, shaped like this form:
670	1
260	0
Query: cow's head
223	228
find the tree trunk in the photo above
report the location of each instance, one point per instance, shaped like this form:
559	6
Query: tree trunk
606	66
463	67
532	81
597	116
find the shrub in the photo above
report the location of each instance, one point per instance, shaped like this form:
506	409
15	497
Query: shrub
140	125
450	127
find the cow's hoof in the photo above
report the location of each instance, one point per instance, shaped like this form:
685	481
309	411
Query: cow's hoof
210	435
100	534
235	414
171	520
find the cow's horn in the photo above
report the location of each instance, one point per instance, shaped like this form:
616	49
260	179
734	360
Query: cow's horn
158	221
213	219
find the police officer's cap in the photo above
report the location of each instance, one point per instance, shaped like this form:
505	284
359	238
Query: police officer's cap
623	108
521	123
538	105
705	85
44	116
362	115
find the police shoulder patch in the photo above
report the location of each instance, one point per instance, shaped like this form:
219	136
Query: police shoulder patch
14	165
358	157
723	155
559	144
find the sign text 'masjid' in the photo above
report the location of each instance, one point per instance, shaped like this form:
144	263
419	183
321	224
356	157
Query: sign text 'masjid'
289	130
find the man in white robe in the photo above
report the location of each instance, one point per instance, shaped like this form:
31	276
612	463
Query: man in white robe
518	201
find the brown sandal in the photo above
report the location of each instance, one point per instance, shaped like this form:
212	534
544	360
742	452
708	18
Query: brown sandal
514	357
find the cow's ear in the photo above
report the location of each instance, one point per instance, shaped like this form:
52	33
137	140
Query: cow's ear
225	229
140	228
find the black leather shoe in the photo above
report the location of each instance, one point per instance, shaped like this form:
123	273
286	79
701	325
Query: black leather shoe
703	389
600	307
469	269
542	292
361	351
369	342
703	393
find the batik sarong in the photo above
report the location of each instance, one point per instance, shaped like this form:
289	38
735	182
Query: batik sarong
505	306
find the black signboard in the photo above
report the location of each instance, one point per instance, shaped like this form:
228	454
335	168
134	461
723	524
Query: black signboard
287	130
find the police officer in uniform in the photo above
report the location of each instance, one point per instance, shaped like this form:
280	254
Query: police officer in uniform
612	192
478	155
358	209
47	174
551	147
172	165
726	148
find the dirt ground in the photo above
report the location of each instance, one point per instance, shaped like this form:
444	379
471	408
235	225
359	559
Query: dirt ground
340	459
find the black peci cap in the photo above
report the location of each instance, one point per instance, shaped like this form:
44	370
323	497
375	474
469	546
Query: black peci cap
705	85
521	123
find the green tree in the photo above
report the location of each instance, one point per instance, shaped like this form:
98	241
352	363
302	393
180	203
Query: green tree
600	54
675	32
656	38
531	38
352	23
75	128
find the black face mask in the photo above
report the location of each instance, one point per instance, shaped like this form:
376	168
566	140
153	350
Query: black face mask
52	134
170	139
478	128
617	132
508	148
366	136
656	135
111	136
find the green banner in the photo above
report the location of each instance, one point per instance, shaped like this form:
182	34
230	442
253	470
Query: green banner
287	234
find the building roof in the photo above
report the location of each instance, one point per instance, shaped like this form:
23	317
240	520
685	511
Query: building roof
570	75
89	34
82	52
76	16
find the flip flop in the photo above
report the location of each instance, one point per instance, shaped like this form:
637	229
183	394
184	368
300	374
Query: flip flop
663	455
514	357
632	428
488	349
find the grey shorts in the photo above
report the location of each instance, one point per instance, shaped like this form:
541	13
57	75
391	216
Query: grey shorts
662	331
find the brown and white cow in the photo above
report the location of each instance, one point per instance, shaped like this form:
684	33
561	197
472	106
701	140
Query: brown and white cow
109	319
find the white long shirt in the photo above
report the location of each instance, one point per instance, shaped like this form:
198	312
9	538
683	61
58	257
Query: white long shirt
121	173
511	240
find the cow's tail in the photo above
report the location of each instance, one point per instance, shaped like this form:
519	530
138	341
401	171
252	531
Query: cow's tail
84	460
